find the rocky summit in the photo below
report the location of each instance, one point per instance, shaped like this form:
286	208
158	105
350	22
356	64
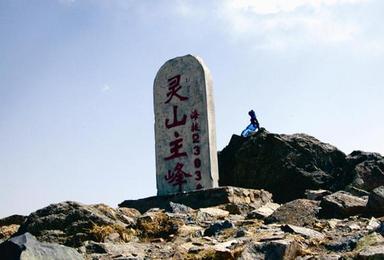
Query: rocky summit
281	197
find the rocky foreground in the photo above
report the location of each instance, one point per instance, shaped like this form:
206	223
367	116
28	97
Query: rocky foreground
300	199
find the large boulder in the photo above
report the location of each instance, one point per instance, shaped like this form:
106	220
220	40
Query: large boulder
376	201
26	247
71	223
285	165
300	212
367	170
342	204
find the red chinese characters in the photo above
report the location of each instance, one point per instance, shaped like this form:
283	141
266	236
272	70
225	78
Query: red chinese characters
173	89
178	175
195	130
175	147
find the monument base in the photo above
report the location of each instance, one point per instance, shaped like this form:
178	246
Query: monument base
202	198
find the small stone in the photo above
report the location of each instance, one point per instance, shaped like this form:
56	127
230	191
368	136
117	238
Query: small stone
306	232
194	249
180	208
316	194
298	212
157	240
332	223
239	208
353	227
373	224
215	212
372	253
343	244
342	204
240	233
369	240
217	227
279	249
264	211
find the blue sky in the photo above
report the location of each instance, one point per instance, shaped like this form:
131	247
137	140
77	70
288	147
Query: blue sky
76	79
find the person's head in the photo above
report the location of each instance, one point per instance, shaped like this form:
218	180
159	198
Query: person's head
252	114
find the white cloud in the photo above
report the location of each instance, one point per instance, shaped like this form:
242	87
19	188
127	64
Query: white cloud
280	24
106	88
276	6
66	1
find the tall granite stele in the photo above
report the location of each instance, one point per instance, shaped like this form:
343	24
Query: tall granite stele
186	156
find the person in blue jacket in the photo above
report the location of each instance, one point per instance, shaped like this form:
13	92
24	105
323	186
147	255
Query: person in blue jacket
253	126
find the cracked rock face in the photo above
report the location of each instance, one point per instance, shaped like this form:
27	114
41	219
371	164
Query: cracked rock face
285	165
288	165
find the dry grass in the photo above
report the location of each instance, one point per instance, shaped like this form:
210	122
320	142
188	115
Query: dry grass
99	233
159	225
8	231
211	254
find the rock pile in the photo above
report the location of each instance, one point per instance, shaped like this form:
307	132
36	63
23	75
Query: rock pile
328	206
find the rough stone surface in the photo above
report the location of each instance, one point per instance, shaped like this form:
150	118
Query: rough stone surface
26	247
306	232
342	204
372	253
216	227
316	194
264	211
274	250
12	220
70	222
376	201
367	170
285	165
299	212
186	156
202	199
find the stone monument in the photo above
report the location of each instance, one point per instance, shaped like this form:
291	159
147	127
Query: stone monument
186	156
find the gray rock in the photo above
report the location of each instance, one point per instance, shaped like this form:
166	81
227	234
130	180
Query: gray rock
12	220
372	253
343	244
264	211
70	222
342	204
285	165
202	199
319	257
272	250
298	212
306	232
376	201
180	208
367	170
128	250
26	247
316	194
373	224
217	227
240	209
